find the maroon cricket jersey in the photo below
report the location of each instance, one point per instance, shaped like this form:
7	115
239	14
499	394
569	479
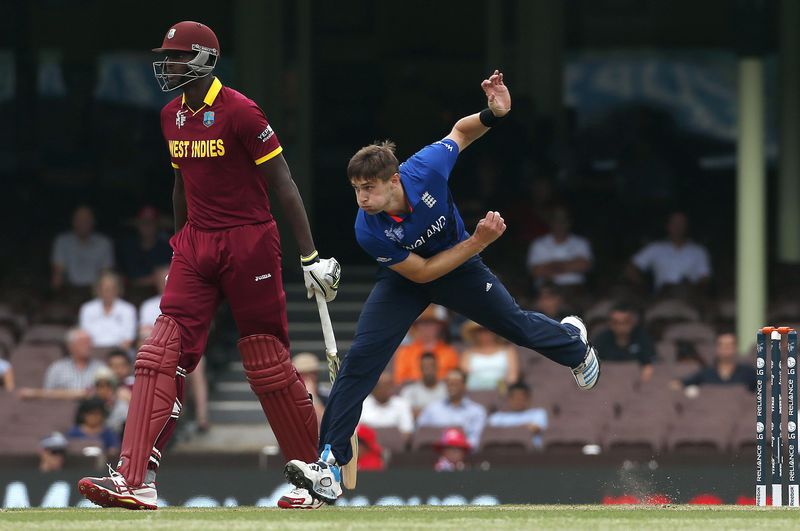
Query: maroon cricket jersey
217	149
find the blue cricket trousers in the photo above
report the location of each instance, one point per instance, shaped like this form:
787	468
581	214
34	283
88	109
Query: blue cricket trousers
393	305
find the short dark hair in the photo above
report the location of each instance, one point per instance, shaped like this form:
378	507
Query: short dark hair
519	386
87	406
117	353
624	307
375	161
460	371
427	355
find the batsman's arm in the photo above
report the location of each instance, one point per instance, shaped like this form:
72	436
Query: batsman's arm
470	128
179	201
279	179
421	270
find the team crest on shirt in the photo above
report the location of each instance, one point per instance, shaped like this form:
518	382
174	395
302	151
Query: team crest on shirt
395	233
208	118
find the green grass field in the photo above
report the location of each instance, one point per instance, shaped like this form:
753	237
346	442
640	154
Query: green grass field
508	517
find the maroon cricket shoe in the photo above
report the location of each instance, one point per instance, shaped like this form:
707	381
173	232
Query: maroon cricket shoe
114	491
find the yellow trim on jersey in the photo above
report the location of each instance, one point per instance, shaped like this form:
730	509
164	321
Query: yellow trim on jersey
210	96
213	90
274	153
175	166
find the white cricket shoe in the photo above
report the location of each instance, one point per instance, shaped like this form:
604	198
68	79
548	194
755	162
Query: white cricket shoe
114	491
587	373
299	499
320	479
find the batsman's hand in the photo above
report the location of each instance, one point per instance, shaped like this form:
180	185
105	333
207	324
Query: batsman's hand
497	95
322	276
491	227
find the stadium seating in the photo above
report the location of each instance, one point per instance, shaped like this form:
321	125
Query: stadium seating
668	312
51	334
426	437
503	439
30	362
31	420
391	439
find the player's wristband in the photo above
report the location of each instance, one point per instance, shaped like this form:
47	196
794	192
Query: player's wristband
313	258
488	118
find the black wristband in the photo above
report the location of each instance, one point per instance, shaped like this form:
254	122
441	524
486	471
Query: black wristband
488	118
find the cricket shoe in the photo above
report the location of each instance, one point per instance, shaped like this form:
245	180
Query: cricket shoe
299	498
114	491
588	372
322	480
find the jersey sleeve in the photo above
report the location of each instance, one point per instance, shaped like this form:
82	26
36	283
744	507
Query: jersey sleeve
384	252
537	255
59	254
702	266
644	258
438	158
256	135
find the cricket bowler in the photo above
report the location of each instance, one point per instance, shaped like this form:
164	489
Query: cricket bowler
226	157
408	222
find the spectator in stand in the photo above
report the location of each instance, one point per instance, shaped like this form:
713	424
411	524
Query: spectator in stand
560	257
726	369
453	448
384	409
519	412
105	388
151	308
456	409
676	262
6	375
141	256
626	340
550	302
52	452
491	362
69	378
79	256
307	365
110	321
120	364
427	334
427	389
90	423
370	451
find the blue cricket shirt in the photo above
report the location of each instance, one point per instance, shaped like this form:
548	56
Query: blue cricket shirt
433	224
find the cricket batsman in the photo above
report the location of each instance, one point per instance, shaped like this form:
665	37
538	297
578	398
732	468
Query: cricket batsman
409	223
226	157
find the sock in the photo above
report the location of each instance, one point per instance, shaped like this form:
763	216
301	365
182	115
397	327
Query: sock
149	476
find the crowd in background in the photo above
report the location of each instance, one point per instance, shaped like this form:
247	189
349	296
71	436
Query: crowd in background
449	373
89	277
476	381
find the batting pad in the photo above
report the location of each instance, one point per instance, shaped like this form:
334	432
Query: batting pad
153	398
282	394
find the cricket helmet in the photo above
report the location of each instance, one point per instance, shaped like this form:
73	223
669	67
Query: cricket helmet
192	37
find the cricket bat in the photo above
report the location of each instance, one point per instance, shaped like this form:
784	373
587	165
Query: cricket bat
350	470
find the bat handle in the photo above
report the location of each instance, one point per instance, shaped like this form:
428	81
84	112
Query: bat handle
327	327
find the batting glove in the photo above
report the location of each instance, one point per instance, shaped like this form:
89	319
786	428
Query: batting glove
321	275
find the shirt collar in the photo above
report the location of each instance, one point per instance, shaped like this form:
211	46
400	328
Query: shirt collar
211	95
